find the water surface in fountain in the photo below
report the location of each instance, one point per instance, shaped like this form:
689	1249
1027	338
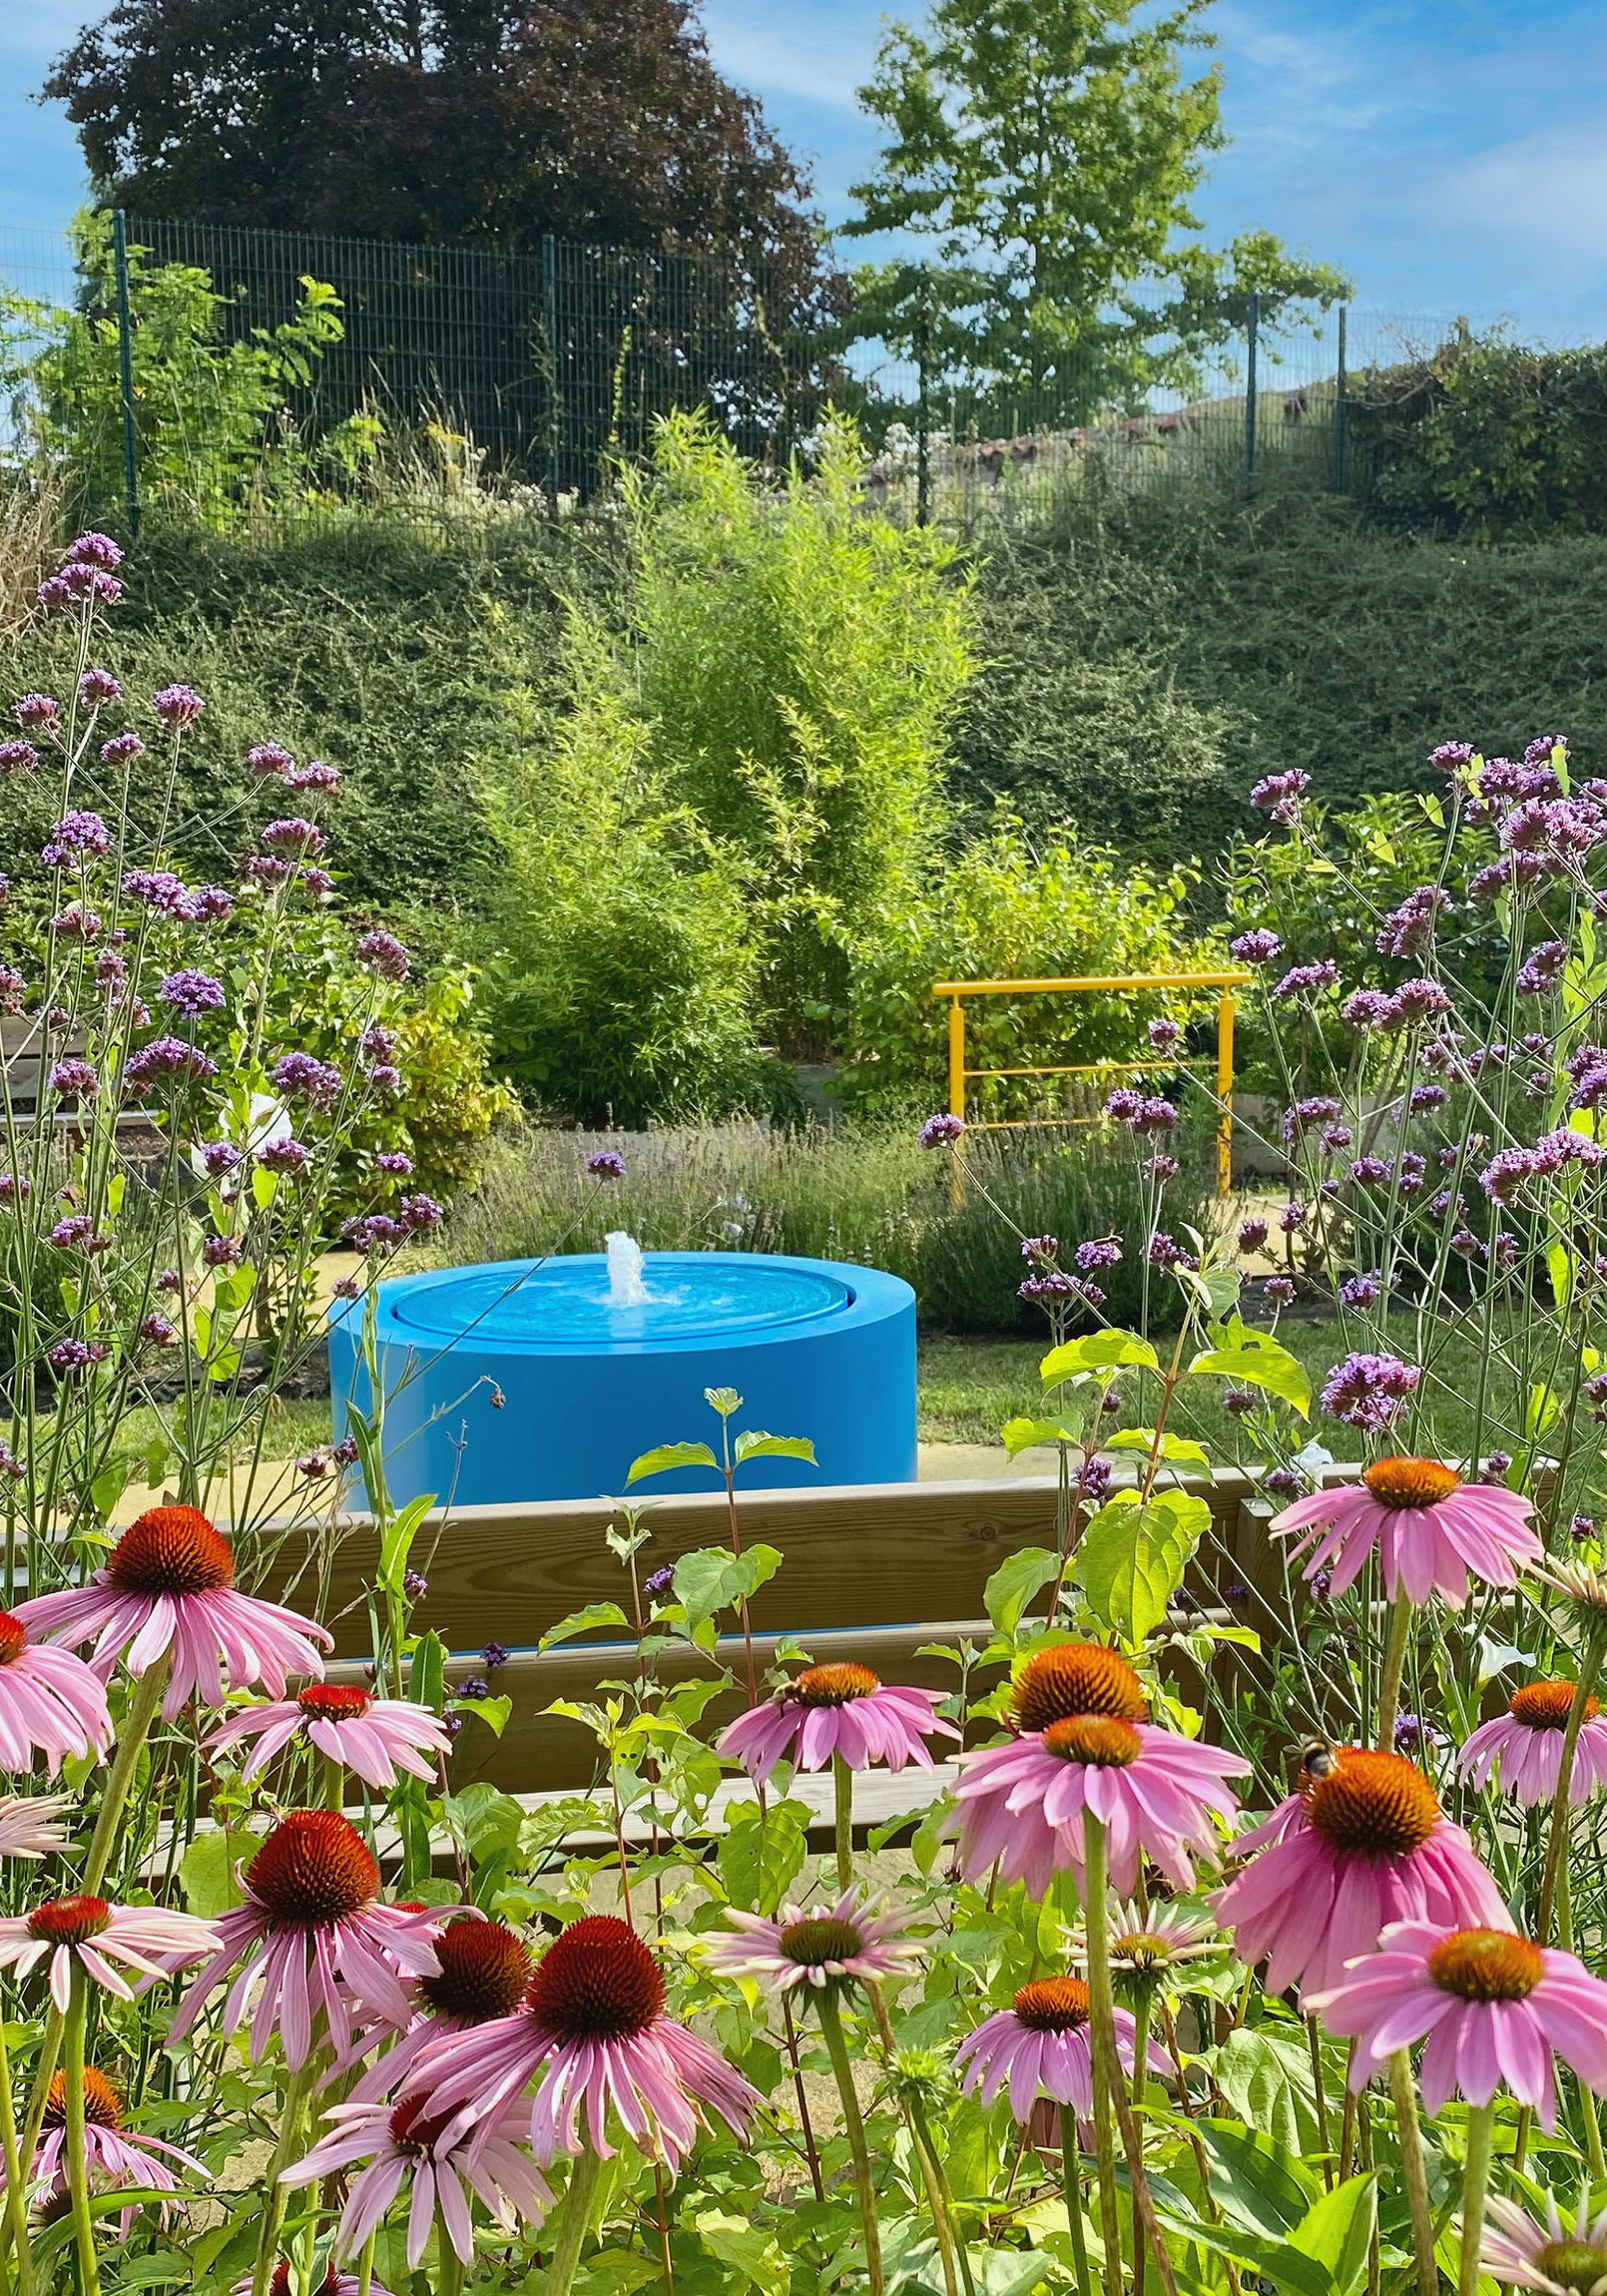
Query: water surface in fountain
586	1301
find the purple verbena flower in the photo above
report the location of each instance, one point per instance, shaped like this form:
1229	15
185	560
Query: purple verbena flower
18	758
1165	1035
1367	1008
221	1251
95	549
156	1331
1359	1291
1279	1291
177	707
1426	1096
192	993
1102	1251
941	1131
1257	946
156	889
316	775
1308	979
394	1162
1370	1392
284	1155
1417	1000
1251	1235
1304	1113
303	1077
609	1164
166	1060
420	1211
383	953
121	751
73	1081
271	761
76	837
209	904
292	835
1276	791
38	714
1451	755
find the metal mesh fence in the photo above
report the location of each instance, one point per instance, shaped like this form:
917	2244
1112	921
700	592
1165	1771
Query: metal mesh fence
458	373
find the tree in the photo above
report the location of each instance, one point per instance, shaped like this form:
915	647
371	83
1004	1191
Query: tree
1051	149
491	121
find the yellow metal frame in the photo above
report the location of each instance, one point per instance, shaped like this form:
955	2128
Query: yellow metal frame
960	1075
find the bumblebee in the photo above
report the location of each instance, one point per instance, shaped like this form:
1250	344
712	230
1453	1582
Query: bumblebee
1317	1760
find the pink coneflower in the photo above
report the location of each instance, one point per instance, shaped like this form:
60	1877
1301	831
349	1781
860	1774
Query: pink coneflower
1351	1851
1516	2249
829	1946
1525	1743
120	2158
1040	2046
169	1585
30	1824
96	1937
1086	1746
483	1972
402	2148
50	1702
843	1709
594	2029
1493	2006
1431	1531
312	1935
372	1737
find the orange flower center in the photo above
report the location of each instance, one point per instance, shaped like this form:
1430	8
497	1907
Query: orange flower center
13	1638
1547	1705
1053	2004
313	1866
1077	1678
1486	1966
1399	1483
333	1701
808	1943
1571	2264
596	1982
412	2130
484	1971
103	2106
1100	1740
280	2285
1376	1805
171	1551
69	1921
835	1685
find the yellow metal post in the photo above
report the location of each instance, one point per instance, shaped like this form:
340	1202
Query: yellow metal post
1225	1093
957	1059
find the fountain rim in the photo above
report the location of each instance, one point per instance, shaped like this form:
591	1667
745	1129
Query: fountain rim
872	1296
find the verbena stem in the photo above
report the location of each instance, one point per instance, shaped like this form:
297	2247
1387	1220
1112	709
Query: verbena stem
1071	2173
837	2049
1394	1662
1101	2047
842	1784
15	2185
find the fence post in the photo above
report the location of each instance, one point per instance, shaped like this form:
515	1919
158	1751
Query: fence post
1340	408
1251	326
923	454
125	370
549	324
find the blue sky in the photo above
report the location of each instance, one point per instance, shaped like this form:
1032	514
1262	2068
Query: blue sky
1450	154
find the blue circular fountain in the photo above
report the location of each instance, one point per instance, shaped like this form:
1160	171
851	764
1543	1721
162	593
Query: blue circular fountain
545	1379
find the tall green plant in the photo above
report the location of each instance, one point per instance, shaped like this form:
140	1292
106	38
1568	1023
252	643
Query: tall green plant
206	406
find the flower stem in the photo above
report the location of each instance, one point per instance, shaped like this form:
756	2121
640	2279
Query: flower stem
1403	2090
837	2049
1557	1843
449	2268
16	2188
366	2266
296	2092
956	2231
842	1783
1107	2072
1102	2048
89	2276
1394	1663
1475	2187
1071	2169
136	1728
575	2224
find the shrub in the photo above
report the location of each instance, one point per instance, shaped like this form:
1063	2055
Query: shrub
1001	911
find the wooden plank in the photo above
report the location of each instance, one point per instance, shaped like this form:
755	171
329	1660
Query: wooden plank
856	1555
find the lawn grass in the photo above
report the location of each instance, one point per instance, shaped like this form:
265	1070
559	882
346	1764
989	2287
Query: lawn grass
969	1388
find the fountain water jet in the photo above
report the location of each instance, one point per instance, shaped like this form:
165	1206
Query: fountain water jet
625	1286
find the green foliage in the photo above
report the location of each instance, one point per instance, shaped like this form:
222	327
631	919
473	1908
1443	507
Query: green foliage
1001	911
862	1192
795	667
206	408
450	1104
1487	438
1051	149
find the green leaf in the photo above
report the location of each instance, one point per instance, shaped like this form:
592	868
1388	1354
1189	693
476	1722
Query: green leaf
1178	1448
264	1186
396	1545
493	1712
747	2250
1258	2183
1132	1558
207	1870
1015	1582
754	1443
1255	1359
1540	1410
1559	1266
582	1622
1265	2073
669	1456
710	1579
1336	2232
722	1400
109	1486
762	1852
1018	1435
1098	1352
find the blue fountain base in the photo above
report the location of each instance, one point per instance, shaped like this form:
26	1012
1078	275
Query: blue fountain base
813	1347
